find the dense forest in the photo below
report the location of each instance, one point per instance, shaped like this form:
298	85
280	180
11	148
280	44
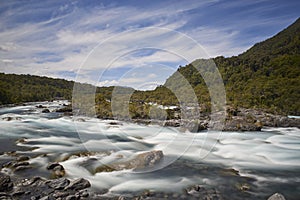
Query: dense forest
267	76
24	88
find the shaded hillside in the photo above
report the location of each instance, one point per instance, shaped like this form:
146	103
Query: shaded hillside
25	88
265	76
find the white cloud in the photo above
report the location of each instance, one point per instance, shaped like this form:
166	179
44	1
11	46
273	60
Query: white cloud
62	41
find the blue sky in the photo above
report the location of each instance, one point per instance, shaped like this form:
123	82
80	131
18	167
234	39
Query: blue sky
134	43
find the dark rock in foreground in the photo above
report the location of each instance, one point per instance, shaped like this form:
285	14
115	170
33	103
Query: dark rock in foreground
276	196
5	183
40	188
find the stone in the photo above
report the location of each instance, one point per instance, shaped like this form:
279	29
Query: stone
71	197
141	161
58	184
40	106
22	158
21	168
46	110
45	198
230	172
78	184
5	196
58	170
276	196
5	183
17	164
51	166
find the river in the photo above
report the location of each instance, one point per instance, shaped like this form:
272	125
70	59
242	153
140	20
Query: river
264	162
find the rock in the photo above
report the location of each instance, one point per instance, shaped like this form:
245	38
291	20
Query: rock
58	184
46	110
147	159
114	123
21	168
40	106
141	161
33	181
7	118
239	124
22	158
78	184
71	197
22	140
201	192
230	172
59	194
18	192
17	164
5	183
45	198
58	170
242	187
276	196
5	196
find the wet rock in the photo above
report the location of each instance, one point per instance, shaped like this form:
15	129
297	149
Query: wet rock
71	197
40	106
200	192
57	169
5	183
22	168
242	186
78	184
7	118
276	196
115	123
46	110
22	158
59	194
141	161
5	196
147	159
18	192
22	140
45	198
67	109
58	184
17	164
230	172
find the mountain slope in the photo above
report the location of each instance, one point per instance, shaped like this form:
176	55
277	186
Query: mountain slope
265	76
24	88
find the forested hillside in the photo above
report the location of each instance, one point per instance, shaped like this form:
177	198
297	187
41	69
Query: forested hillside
266	76
24	88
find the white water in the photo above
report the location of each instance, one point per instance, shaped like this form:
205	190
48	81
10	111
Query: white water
56	136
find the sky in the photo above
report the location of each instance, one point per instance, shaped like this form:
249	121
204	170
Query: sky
131	43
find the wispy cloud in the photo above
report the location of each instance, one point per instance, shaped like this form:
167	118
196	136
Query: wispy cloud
62	39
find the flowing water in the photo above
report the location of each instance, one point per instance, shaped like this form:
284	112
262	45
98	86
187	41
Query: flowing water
267	161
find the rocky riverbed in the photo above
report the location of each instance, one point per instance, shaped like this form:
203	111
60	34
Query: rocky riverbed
44	154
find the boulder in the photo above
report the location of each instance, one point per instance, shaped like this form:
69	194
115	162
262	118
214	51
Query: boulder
57	169
46	110
58	184
276	196
5	183
78	184
141	161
